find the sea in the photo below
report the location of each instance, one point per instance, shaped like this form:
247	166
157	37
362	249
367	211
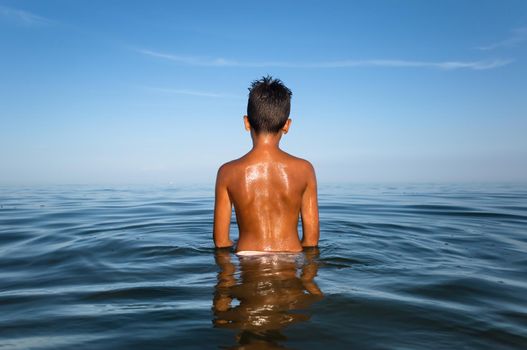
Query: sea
399	266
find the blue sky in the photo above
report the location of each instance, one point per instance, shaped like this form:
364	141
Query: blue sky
154	91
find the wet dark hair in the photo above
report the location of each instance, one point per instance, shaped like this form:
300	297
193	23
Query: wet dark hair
269	105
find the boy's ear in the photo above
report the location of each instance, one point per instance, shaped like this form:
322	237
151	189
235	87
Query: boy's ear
246	123
286	126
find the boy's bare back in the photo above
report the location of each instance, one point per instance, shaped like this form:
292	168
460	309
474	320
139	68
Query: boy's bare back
269	190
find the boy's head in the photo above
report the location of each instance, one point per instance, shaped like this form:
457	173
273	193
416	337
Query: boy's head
269	105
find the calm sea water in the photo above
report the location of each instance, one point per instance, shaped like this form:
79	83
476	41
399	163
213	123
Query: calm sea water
400	267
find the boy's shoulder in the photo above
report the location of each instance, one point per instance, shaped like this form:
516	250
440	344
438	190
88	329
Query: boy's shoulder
228	168
236	164
231	164
300	162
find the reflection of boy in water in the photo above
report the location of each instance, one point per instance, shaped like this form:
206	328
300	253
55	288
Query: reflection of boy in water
267	290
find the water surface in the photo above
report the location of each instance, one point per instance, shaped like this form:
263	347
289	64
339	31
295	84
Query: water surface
398	267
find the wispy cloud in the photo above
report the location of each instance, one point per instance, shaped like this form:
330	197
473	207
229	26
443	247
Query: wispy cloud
221	62
517	36
192	92
22	17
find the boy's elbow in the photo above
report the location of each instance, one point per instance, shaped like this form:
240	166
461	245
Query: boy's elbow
223	243
307	242
311	233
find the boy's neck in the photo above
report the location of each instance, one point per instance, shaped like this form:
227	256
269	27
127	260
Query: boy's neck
266	140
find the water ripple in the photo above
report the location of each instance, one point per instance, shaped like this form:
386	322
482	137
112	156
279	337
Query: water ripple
399	267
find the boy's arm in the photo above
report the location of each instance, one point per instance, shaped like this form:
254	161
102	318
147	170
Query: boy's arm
222	212
309	211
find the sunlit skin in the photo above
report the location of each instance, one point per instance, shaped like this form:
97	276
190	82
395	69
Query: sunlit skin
270	190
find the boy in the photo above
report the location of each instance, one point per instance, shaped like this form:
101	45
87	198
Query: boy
268	187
